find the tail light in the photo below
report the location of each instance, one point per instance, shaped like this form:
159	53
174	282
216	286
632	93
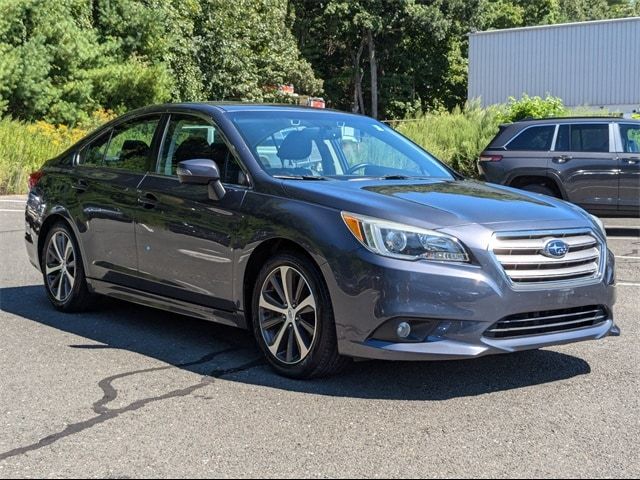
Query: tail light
34	178
490	158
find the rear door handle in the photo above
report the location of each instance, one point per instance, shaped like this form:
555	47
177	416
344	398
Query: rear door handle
562	158
631	160
80	186
148	200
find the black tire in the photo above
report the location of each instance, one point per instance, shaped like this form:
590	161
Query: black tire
540	188
322	358
77	298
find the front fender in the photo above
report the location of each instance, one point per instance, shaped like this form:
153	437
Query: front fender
317	230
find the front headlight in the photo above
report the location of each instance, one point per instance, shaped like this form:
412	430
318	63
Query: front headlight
404	241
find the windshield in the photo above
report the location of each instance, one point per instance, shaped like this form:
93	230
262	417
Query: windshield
292	143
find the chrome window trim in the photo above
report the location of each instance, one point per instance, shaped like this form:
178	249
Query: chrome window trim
580	282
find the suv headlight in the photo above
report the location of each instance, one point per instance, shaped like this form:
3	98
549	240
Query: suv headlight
404	241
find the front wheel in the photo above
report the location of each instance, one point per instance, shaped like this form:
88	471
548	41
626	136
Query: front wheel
63	271
293	320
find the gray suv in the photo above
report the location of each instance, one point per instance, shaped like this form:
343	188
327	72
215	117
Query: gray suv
592	162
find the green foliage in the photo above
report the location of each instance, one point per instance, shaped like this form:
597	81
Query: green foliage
245	50
61	60
131	84
532	107
54	57
456	137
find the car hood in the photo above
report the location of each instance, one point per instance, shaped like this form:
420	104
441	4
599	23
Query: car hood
437	203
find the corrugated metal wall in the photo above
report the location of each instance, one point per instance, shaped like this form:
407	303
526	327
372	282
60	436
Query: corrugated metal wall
592	63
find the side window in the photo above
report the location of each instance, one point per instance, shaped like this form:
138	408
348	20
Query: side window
590	138
189	138
630	138
537	139
93	154
130	145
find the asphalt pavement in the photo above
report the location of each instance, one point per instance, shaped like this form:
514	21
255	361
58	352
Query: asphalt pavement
126	391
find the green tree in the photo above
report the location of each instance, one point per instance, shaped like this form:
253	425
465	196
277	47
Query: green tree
60	60
245	49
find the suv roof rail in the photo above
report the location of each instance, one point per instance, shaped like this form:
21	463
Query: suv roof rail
576	117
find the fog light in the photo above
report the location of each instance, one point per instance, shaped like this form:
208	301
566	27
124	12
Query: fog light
403	330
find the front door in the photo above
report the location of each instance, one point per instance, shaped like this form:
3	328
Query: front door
185	239
587	165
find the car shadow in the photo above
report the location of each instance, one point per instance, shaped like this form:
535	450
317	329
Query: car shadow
180	341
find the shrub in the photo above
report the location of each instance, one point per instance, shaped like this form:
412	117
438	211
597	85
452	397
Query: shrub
456	137
533	107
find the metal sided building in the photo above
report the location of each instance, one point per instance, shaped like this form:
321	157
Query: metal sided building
591	64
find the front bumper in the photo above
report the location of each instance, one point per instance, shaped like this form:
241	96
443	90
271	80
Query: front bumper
368	290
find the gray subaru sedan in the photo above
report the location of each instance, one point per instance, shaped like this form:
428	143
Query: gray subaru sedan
329	235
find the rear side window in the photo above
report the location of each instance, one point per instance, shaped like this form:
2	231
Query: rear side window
630	138
93	154
583	138
537	139
130	145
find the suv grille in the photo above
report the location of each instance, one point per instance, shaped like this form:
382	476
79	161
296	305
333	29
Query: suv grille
550	321
521	256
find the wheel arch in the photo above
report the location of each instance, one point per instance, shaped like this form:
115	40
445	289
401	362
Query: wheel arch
257	259
528	178
58	215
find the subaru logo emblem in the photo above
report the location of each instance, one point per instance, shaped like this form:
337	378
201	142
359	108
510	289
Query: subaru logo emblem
555	249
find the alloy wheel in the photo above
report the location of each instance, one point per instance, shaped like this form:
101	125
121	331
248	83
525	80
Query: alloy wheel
60	266
287	315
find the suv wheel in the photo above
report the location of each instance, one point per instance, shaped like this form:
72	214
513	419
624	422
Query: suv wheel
540	188
293	320
63	271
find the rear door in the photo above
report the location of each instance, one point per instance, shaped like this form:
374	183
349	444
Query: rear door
110	169
528	153
629	160
587	164
185	239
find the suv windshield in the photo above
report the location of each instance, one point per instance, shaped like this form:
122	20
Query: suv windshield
303	144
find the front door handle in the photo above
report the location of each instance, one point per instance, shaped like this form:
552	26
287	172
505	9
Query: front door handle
148	200
562	158
80	186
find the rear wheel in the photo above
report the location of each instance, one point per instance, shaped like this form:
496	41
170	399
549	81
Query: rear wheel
293	320
63	271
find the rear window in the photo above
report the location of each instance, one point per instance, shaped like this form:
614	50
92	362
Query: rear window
533	138
583	138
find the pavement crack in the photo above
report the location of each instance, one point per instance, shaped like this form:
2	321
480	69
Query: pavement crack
110	393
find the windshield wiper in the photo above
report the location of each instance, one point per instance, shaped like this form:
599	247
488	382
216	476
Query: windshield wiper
300	177
395	177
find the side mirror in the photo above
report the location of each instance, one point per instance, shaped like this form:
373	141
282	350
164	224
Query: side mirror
202	171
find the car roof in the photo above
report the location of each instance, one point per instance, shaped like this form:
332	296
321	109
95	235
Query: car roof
581	119
228	107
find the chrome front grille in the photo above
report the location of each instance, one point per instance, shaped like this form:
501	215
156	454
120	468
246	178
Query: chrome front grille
550	321
523	257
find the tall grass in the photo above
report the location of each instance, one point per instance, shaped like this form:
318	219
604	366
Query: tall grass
24	147
456	137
